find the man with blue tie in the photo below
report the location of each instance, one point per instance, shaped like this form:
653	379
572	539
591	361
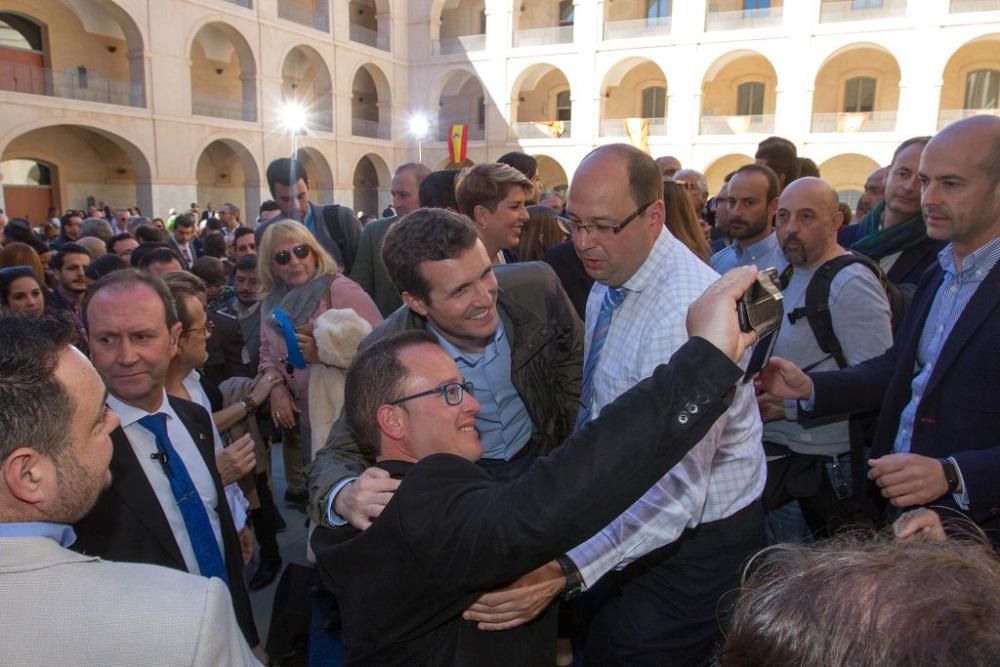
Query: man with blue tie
936	442
165	505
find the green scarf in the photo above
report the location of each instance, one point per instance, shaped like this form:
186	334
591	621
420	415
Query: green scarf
877	242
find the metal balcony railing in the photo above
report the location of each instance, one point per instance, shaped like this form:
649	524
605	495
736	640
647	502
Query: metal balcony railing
851	10
757	124
962	6
223	107
476	132
316	17
743	19
631	28
364	35
548	129
615	127
461	44
369	128
949	116
543	36
851	121
72	84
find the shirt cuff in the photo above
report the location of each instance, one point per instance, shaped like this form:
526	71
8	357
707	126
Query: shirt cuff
961	498
332	517
792	410
810	404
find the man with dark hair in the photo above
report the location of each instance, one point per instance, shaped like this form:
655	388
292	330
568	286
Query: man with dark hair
514	333
244	306
523	162
936	439
18	230
244	243
150	234
158	261
808	168
77	609
122	245
688	536
493	196
69	228
832	604
452	530
69	265
268	209
751	200
894	233
438	190
335	227
668	165
166	505
369	271
183	240
782	157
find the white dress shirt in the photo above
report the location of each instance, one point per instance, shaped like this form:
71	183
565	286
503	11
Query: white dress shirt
238	502
144	445
723	473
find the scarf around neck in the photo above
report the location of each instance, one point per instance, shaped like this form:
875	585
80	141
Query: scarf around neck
876	242
299	303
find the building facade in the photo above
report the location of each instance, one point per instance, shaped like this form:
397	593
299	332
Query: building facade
164	103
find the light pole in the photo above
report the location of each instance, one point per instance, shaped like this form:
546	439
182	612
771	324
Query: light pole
419	127
294	119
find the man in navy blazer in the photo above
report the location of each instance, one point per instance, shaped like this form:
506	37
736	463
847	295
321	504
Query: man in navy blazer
938	436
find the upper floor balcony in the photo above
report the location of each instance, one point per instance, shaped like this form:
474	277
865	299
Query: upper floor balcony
755	124
833	11
74	84
312	14
962	6
734	15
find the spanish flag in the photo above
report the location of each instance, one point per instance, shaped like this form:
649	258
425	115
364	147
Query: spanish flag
637	131
458	144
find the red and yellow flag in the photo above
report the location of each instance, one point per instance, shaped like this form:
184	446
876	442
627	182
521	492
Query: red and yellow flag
458	143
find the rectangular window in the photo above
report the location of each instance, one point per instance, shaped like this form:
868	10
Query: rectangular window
982	89
563	106
750	100
859	95
654	102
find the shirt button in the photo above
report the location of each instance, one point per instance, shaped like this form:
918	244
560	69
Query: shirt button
702	398
683	418
692	408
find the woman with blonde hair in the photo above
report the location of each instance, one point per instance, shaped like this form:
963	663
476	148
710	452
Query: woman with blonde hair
312	320
541	232
682	221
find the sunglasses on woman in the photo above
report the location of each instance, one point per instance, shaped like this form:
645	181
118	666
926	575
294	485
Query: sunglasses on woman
283	257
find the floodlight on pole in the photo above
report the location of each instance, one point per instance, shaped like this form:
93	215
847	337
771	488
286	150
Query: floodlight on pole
294	119
420	125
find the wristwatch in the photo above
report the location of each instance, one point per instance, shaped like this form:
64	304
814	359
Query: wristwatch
249	405
950	474
574	580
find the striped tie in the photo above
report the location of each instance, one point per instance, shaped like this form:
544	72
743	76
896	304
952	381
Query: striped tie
613	298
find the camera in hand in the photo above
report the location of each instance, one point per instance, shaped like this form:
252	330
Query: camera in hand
760	310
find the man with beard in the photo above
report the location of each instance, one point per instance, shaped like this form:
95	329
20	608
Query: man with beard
808	469
751	200
893	233
69	266
874	194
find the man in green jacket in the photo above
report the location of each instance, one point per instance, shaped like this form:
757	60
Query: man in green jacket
512	332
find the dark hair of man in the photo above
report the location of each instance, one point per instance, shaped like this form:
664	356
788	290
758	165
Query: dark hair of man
766	172
438	190
373	381
132	278
209	269
846	601
18	229
425	235
36	411
150	234
104	265
781	156
183	284
64	220
214	245
184	220
245	263
523	162
157	256
240	233
214	225
115	239
269	205
143	250
135	222
66	249
922	140
487	184
285	171
808	168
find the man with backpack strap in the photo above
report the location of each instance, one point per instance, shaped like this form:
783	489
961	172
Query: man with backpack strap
838	315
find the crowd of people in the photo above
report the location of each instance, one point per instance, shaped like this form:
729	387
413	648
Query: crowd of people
519	422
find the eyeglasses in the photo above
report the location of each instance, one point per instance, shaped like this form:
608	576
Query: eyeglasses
283	257
208	329
605	231
453	393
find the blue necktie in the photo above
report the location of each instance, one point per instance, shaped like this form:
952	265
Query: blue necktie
199	528
613	298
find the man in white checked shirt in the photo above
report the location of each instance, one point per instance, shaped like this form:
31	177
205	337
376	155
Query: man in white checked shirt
688	535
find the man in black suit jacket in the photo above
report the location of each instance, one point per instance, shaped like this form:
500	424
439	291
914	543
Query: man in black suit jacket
451	531
132	321
937	386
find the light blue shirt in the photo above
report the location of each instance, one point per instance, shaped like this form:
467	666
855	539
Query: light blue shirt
503	422
763	254
952	297
60	532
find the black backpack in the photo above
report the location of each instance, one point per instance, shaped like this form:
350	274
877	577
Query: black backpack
817	308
